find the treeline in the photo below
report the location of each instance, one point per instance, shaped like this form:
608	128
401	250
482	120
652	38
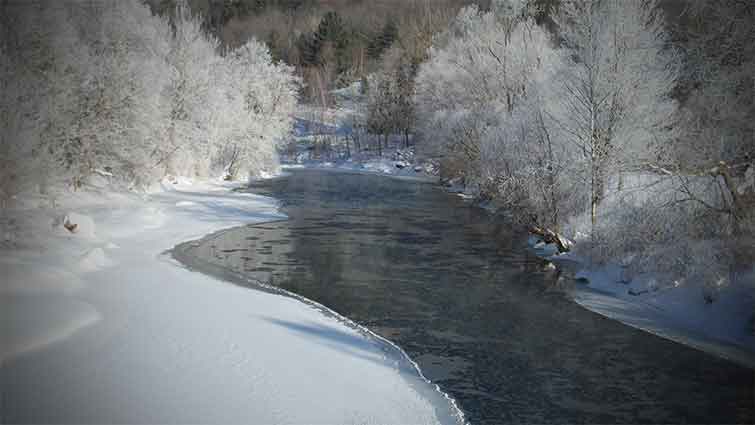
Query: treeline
625	129
330	43
107	88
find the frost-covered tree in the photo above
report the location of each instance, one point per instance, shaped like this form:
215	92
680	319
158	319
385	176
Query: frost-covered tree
228	112
120	113
12	150
193	62
718	120
108	88
719	43
261	98
454	90
38	83
381	108
469	91
616	105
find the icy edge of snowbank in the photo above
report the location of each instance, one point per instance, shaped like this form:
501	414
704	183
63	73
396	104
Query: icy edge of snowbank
182	255
671	313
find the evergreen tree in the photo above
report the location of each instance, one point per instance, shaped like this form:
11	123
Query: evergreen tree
331	29
383	40
309	49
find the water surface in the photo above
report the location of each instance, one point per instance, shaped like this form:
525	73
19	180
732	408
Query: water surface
459	292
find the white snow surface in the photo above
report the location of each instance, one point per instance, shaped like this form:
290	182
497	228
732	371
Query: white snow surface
378	166
101	325
674	311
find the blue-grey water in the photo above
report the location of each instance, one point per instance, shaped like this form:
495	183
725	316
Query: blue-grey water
459	292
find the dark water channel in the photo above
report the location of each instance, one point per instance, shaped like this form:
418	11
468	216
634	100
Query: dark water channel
479	314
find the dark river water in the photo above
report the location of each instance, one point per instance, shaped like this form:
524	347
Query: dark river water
461	294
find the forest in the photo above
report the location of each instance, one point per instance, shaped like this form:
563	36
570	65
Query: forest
624	127
377	211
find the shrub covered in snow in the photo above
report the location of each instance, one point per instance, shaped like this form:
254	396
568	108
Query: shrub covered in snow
108	86
580	133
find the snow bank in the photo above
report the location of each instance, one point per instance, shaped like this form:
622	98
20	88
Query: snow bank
102	325
383	166
673	310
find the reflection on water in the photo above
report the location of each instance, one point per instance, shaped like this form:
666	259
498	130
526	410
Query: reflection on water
482	318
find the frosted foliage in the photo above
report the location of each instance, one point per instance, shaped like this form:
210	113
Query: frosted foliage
510	8
471	77
108	88
120	117
616	89
719	120
33	111
569	138
485	105
193	63
262	95
235	108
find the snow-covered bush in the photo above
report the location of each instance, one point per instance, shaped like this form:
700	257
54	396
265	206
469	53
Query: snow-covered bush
12	150
108	88
193	98
262	98
121	115
34	56
615	93
484	107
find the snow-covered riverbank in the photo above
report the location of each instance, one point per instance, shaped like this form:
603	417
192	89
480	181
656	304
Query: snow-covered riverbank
102	325
678	313
725	327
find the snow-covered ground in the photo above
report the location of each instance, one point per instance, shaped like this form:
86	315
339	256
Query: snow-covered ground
383	166
338	128
101	325
676	312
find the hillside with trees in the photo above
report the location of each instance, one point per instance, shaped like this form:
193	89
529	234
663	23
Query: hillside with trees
330	43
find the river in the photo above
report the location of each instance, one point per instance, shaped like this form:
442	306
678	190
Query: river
483	318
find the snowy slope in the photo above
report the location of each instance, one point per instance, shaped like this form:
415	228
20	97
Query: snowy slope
101	325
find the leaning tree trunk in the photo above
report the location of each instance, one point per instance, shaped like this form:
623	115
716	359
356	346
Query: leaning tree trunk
549	236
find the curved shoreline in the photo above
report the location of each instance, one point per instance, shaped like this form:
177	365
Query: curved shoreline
182	254
646	319
175	346
727	351
679	334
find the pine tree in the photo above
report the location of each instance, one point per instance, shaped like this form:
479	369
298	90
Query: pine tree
383	40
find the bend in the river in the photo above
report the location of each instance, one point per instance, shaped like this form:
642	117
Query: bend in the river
480	315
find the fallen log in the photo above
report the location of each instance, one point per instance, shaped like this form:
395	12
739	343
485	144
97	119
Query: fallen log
549	236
